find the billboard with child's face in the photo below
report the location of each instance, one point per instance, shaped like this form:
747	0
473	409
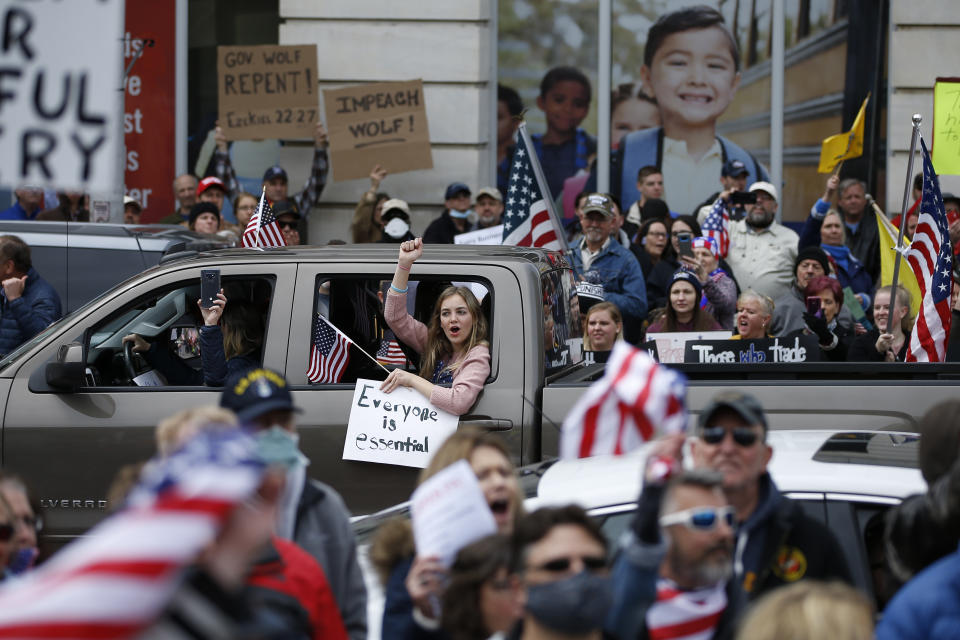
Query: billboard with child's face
691	90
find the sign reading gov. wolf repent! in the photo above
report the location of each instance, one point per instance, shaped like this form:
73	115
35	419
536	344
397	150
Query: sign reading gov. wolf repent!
383	123
60	73
400	427
797	349
268	91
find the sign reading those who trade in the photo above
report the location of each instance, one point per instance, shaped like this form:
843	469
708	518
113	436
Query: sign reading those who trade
400	427
383	123
799	349
268	91
59	94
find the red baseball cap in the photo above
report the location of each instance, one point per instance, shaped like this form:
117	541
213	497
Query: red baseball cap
212	181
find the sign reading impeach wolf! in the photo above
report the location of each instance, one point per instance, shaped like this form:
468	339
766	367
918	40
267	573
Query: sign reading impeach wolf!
796	349
267	91
383	123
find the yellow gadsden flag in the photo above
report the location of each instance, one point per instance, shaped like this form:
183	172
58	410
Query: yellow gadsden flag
888	240
844	146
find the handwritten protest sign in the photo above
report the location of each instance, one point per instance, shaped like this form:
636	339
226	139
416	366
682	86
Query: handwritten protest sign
490	235
946	126
60	94
448	512
400	427
798	349
671	346
267	91
383	123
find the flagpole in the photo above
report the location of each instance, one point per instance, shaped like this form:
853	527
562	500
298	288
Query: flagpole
263	195
347	338
542	183
917	119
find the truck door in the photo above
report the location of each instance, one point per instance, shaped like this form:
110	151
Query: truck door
70	446
349	296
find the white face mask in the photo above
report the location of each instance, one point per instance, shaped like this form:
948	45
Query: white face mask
396	228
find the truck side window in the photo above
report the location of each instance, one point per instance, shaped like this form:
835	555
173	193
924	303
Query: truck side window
354	307
168	351
562	331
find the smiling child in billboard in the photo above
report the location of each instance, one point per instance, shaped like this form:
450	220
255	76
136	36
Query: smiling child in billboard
691	67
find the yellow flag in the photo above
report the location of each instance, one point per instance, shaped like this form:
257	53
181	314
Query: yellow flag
844	146
888	240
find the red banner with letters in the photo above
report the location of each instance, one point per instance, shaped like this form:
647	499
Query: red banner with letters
150	101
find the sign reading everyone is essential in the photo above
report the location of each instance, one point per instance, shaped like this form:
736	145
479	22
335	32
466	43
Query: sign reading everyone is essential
60	94
400	427
383	123
267	91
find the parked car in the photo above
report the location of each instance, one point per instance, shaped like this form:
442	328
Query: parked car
845	479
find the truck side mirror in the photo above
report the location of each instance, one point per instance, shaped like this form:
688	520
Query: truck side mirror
67	372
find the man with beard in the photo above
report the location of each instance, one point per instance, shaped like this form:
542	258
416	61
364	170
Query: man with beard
680	586
761	252
776	542
489	207
599	259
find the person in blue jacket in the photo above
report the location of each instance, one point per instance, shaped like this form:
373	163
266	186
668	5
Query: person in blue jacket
28	303
599	259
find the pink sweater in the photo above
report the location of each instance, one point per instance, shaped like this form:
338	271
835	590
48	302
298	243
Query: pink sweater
468	378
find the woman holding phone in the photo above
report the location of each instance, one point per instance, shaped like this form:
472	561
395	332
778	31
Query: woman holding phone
824	299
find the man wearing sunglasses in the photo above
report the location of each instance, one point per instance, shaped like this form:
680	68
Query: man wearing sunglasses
288	219
776	543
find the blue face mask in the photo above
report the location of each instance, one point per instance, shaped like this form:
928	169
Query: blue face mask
461	215
279	447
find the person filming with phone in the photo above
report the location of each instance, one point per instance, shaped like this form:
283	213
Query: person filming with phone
824	299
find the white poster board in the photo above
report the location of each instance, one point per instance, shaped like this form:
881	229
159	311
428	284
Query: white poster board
400	427
448	512
671	346
60	94
490	235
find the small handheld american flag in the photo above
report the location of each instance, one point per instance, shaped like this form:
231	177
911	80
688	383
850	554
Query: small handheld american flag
329	353
263	230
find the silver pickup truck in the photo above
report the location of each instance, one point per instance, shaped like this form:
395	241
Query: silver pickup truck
72	414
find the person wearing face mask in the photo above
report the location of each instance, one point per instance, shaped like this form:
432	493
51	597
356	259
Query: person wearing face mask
456	218
310	513
760	250
562	558
396	221
414	585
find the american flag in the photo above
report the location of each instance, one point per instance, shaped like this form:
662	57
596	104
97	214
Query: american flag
635	401
527	219
931	257
390	352
263	230
329	353
115	581
717	226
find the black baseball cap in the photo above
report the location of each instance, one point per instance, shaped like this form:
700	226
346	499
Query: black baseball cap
743	404
732	168
255	392
276	171
454	189
286	208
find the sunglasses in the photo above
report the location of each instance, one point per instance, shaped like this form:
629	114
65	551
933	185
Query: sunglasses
6	532
743	436
699	518
287	225
561	565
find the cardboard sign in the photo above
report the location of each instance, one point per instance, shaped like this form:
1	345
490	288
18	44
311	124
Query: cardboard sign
671	346
59	94
490	235
946	126
383	123
799	349
448	512
400	427
268	91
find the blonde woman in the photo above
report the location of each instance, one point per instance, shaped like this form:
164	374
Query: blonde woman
878	345
754	312
602	327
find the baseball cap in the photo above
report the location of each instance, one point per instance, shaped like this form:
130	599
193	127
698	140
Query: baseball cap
456	188
286	208
743	404
732	168
766	187
395	203
256	392
212	181
599	203
493	192
276	171
128	200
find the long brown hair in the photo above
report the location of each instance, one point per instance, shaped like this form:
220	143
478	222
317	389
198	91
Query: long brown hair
437	344
242	327
702	321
